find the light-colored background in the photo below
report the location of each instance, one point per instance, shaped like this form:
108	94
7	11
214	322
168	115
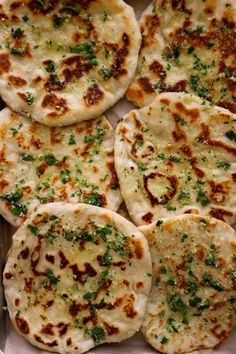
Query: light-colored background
12	343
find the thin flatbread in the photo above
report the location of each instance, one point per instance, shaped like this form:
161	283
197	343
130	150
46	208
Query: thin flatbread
188	45
177	156
63	62
39	165
77	276
192	304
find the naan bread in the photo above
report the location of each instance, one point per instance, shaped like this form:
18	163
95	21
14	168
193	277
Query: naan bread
39	164
188	45
193	298
77	276
63	62
177	156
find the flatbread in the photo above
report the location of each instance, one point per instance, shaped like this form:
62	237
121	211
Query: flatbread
63	62
192	304
188	45
39	164
177	155
77	276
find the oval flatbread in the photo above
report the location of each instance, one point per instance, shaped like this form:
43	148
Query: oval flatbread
193	296
77	276
62	62
39	165
177	156
187	46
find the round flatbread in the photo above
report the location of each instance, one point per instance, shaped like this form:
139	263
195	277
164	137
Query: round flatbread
63	62
187	46
77	276
192	304
177	156
39	164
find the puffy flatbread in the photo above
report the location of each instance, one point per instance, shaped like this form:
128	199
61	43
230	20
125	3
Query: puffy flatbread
63	62
188	45
39	165
192	304
77	276
177	155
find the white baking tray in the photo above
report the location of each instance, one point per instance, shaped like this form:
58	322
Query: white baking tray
12	343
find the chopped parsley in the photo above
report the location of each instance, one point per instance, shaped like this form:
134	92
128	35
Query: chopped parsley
106	259
170	325
93	199
223	165
194	83
51	67
191	288
231	135
202	198
26	157
52	278
97	333
97	138
16	33
30	98
16	51
89	296
25	18
72	140
58	20
65	176
105	72
159	222
19	209
184	198
164	340
211	282
87	49
50	160
33	229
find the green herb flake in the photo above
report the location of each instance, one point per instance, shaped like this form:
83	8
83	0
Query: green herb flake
105	72
164	340
50	160
97	138
51	67
97	333
19	209
231	135
191	288
26	157
159	222
58	20
33	229
139	143
25	18
72	140
211	259
184	237
223	165
94	199
87	49
29	98
89	296
16	51
170	325
202	198
52	278
16	33
196	87
211	282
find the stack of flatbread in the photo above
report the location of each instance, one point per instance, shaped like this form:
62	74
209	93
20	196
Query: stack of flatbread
78	274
